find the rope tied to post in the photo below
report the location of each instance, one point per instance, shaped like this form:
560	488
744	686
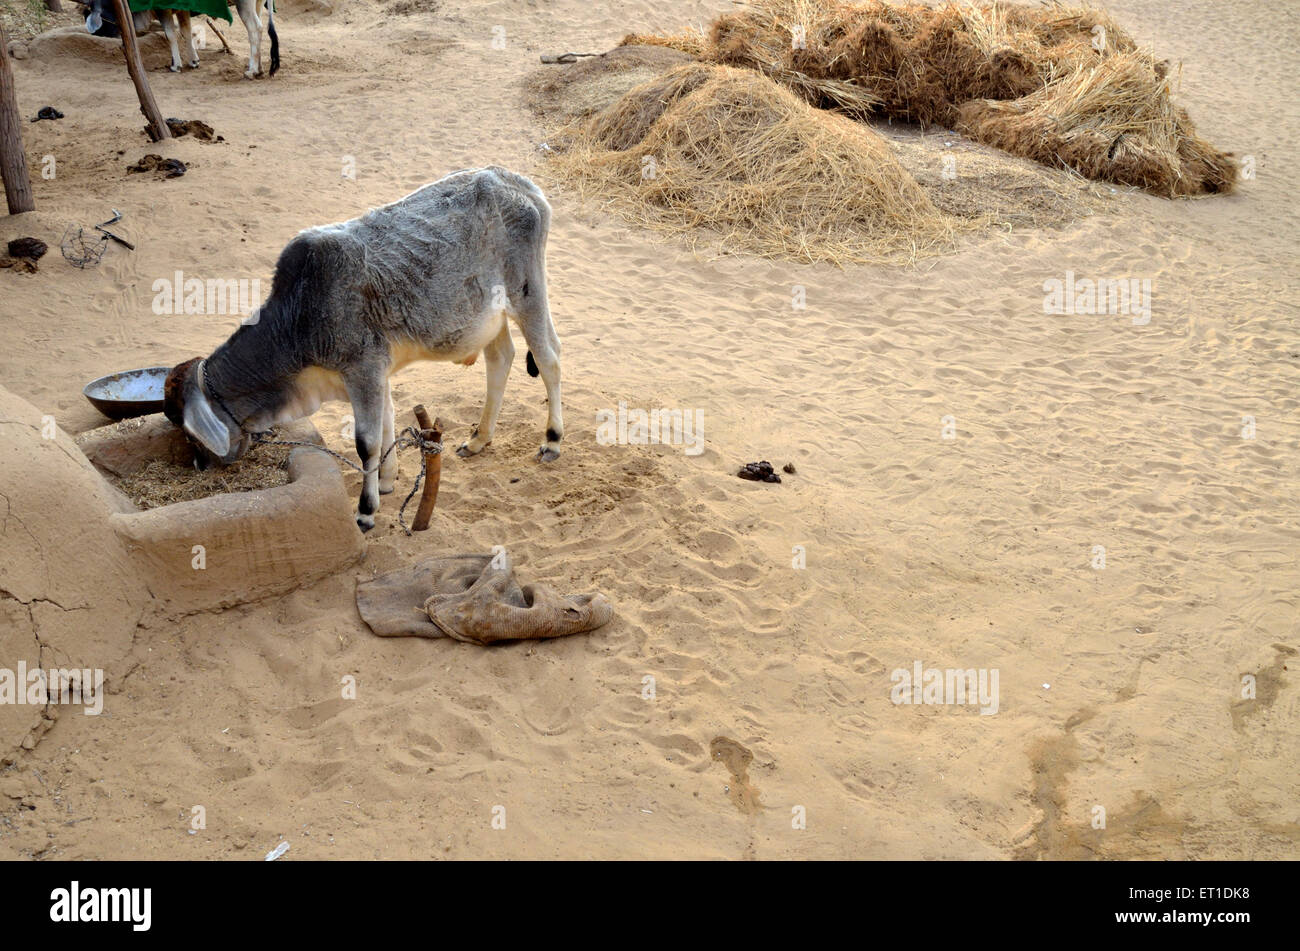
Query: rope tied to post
430	447
428	437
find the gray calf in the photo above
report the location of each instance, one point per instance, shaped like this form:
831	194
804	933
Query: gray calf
430	277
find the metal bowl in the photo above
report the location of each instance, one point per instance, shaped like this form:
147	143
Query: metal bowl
129	393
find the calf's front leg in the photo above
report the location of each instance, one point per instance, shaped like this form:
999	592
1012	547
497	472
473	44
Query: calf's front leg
368	394
388	468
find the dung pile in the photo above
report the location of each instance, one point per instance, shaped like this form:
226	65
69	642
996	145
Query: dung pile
1010	76
712	147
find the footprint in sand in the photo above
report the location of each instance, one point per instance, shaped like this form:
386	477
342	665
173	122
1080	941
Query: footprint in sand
743	795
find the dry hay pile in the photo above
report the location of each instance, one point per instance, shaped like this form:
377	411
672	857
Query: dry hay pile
929	65
579	90
694	42
163	481
988	188
724	149
981	185
1104	123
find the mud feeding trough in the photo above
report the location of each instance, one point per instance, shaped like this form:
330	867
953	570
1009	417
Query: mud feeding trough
275	521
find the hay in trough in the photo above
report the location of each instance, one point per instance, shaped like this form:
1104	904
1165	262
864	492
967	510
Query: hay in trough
924	64
725	150
1108	122
164	481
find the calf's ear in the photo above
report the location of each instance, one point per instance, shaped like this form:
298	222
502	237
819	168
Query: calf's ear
203	425
174	388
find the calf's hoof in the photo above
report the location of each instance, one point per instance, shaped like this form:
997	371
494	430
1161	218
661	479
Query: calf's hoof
547	454
194	64
365	522
386	488
174	68
468	449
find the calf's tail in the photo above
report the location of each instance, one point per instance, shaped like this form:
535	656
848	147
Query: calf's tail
275	39
532	364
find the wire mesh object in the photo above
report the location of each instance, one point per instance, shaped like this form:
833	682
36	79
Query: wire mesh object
80	251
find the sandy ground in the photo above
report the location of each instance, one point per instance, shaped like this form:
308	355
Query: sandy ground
1119	687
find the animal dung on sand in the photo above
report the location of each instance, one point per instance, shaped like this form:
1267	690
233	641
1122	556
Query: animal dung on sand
195	127
169	168
760	472
32	248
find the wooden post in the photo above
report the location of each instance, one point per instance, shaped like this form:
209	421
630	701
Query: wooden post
432	469
13	162
148	105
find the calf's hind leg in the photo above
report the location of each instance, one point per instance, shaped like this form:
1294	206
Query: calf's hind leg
187	39
252	23
544	346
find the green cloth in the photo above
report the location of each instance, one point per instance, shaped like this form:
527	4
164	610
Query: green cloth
210	8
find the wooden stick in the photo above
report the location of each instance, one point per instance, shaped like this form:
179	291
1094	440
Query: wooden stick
214	29
432	469
13	162
566	57
148	105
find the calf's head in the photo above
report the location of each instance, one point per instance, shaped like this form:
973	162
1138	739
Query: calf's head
216	438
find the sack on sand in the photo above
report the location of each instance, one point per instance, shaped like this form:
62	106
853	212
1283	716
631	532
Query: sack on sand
467	598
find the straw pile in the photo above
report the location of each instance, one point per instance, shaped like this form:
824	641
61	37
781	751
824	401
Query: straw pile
926	64
711	147
990	189
1104	123
591	84
162	481
908	61
693	42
